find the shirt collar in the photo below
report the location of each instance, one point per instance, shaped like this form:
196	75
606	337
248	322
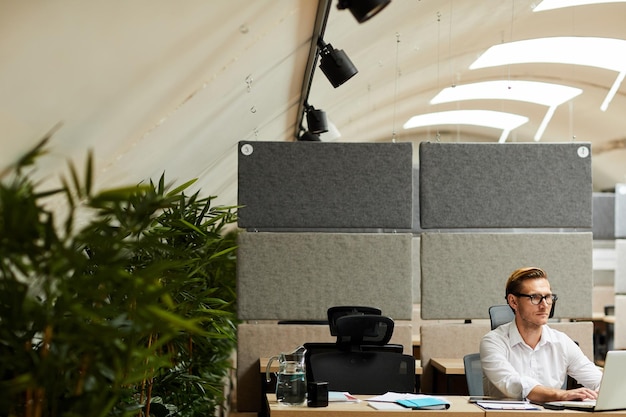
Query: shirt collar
515	337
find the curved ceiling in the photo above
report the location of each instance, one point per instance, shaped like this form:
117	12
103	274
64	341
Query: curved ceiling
156	86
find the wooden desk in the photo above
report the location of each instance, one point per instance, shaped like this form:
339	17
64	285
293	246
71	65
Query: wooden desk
449	368
603	334
417	343
459	406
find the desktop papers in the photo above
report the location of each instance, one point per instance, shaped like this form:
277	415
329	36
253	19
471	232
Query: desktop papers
338	396
398	401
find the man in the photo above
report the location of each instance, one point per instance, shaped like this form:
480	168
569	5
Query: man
526	358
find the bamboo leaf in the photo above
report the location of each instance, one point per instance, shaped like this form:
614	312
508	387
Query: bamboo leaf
181	188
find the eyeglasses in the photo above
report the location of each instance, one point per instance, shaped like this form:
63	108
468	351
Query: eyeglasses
536	299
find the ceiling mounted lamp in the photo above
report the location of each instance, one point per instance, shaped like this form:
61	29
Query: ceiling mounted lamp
316	120
335	64
309	137
363	10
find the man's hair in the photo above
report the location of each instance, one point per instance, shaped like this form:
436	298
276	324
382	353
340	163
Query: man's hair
517	278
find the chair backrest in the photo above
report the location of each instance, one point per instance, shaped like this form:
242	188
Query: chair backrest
363	372
500	314
473	373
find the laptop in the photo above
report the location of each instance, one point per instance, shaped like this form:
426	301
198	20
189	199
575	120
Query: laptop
612	388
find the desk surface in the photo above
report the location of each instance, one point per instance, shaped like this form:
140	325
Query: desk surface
602	317
552	413
449	366
459	406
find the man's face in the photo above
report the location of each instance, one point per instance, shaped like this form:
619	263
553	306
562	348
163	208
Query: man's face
527	313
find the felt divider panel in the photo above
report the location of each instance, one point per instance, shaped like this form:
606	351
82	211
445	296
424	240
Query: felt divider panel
447	341
620	210
298	276
505	185
255	341
465	273
325	185
603	216
620	266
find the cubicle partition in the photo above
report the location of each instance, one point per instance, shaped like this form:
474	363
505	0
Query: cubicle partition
325	224
351	223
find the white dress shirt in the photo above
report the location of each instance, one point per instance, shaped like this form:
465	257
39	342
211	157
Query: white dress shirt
512	369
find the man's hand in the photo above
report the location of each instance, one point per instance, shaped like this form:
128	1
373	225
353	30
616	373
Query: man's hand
544	394
579	394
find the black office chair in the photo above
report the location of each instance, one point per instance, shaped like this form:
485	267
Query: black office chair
363	372
361	361
473	374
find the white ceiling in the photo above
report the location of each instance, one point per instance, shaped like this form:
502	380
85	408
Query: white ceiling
155	86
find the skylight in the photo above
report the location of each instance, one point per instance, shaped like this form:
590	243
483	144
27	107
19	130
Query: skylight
558	4
604	53
486	118
547	94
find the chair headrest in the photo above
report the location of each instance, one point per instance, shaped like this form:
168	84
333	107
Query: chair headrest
363	329
336	312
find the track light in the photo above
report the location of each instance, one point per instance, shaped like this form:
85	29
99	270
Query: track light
335	64
363	10
309	137
316	120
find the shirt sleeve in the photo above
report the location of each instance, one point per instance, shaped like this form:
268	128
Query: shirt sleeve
498	369
579	367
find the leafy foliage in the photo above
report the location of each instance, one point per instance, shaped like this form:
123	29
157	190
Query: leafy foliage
136	303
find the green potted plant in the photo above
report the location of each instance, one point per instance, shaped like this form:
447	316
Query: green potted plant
105	317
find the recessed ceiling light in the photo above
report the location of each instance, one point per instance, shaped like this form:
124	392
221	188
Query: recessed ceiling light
547	94
604	53
558	4
486	118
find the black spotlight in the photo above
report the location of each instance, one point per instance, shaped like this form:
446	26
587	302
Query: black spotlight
335	64
309	137
363	10
316	120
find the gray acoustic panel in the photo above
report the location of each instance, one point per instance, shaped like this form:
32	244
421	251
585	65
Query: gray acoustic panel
297	276
603	216
620	266
505	185
325	185
465	273
620	211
